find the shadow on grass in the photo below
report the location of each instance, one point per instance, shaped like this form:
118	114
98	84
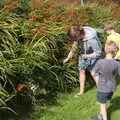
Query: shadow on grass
21	105
22	111
40	107
27	110
115	105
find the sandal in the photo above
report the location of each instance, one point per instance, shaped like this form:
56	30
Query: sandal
79	94
97	117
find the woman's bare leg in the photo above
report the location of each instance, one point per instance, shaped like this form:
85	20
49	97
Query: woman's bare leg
82	81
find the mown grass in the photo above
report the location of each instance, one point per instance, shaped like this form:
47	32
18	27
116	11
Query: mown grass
67	107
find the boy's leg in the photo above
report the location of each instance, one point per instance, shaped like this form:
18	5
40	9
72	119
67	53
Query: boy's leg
103	111
102	98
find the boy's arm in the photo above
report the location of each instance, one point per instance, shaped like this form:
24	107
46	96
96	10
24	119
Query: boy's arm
96	68
95	72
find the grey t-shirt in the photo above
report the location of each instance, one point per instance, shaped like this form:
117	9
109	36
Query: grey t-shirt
107	69
90	44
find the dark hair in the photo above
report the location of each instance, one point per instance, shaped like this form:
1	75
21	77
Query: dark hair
75	32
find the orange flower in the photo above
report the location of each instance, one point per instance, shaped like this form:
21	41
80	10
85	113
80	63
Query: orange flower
6	6
6	0
66	21
45	21
14	4
47	9
53	30
20	87
78	1
33	18
78	18
71	11
65	28
43	30
37	4
113	5
8	10
70	23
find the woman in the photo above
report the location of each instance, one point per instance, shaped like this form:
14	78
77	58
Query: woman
85	38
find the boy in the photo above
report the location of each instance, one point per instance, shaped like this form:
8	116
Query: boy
86	39
106	70
113	35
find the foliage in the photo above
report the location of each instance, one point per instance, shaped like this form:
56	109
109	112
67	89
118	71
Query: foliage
33	44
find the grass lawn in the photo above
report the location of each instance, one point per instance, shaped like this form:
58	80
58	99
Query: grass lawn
67	107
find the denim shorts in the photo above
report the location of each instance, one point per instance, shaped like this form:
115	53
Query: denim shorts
104	97
85	64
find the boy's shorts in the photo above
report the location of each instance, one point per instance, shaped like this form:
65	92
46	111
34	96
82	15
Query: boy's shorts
85	64
104	97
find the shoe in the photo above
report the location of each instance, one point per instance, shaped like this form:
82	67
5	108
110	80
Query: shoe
79	94
97	117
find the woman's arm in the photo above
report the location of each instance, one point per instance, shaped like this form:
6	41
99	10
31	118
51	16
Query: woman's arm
72	51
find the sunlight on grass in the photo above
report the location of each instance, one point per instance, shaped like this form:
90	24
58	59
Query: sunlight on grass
68	107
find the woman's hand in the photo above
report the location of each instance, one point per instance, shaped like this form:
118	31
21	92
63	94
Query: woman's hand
84	56
71	53
65	60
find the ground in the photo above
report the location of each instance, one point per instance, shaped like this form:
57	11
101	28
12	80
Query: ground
67	107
